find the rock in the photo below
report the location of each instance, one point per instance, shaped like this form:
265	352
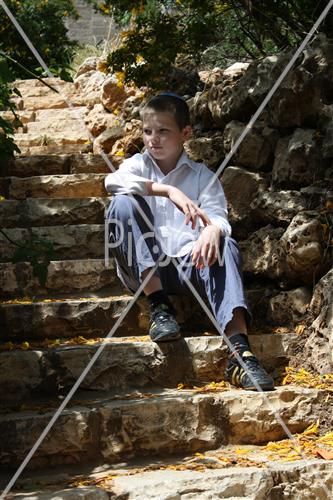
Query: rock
89	86
289	307
98	119
278	207
132	106
89	275
238	68
241	187
319	346
168	421
207	149
297	160
256	149
57	186
129	144
211	76
107	139
52	211
303	247
114	94
262	253
21	373
234	482
89	64
79	241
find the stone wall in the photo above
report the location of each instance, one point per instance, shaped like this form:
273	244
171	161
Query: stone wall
91	28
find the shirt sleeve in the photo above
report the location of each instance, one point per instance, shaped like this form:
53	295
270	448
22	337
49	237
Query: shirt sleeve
128	178
213	202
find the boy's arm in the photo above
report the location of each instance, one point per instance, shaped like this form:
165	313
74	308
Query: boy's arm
128	179
191	211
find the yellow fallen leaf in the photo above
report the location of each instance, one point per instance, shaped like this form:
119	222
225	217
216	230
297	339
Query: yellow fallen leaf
25	345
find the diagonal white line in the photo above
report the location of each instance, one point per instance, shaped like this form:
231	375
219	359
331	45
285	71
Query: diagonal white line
279	419
75	386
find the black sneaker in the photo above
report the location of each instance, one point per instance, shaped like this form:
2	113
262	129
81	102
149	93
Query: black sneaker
236	375
163	326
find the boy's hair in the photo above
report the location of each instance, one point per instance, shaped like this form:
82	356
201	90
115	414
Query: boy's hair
171	103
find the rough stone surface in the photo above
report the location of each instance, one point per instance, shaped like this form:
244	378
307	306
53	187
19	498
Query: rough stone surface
106	140
262	253
289	307
303	246
68	276
21	373
297	160
98	119
113	95
241	187
283	481
319	346
80	241
90	317
256	150
208	150
50	211
278	207
57	186
169	420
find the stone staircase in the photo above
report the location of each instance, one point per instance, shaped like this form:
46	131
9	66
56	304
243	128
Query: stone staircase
144	410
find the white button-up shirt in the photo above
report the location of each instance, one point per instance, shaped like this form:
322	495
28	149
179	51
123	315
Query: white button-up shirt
194	179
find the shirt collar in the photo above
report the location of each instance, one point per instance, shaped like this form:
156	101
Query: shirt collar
183	160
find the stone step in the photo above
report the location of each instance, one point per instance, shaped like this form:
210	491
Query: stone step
48	99
128	364
36	88
64	277
122	426
27	166
69	317
310	478
35	212
55	186
56	149
59	115
27	139
54	128
81	241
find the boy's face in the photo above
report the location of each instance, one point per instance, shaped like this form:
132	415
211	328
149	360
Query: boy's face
163	138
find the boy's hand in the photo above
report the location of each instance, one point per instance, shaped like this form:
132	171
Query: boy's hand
205	250
187	206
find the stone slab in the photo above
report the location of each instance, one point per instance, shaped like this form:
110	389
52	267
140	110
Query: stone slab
81	241
67	276
34	212
56	186
122	365
89	317
165	422
50	164
304	478
52	138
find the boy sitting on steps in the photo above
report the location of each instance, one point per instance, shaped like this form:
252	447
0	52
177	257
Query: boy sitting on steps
184	203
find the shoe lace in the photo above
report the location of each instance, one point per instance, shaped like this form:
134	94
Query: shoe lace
161	313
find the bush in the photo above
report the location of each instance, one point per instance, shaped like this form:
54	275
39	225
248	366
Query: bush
7	145
157	32
43	22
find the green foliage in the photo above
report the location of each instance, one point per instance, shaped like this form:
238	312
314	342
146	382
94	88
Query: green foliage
38	252
158	32
7	145
43	22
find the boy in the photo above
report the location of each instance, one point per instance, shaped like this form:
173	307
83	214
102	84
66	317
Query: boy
183	202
